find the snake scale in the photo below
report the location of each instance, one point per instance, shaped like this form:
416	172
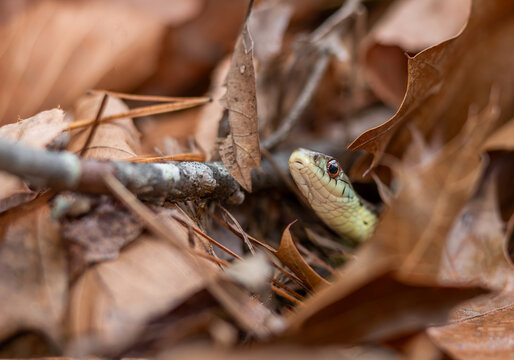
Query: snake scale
331	195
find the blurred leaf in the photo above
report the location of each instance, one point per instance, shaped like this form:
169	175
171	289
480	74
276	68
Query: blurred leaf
502	139
267	24
240	150
52	51
408	27
475	248
433	191
367	303
38	131
449	78
111	301
487	336
33	279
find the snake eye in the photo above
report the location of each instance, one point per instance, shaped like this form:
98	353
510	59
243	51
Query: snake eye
333	168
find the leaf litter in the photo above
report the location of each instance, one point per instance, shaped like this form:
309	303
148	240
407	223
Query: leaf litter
111	276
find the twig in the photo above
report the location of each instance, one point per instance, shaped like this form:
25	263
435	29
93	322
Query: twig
344	12
155	98
150	182
95	125
144	111
300	104
240	229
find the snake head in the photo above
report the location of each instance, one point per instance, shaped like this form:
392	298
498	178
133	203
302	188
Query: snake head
319	177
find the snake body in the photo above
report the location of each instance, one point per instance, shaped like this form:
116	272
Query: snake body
331	195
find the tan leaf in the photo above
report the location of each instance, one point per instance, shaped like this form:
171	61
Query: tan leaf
449	78
291	257
33	276
368	303
116	140
206	133
240	150
475	248
52	51
433	191
111	301
409	26
501	139
38	131
487	336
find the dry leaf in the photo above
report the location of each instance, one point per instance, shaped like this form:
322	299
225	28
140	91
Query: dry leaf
501	139
368	303
191	51
433	190
206	133
475	248
114	140
447	79
240	150
38	131
98	235
111	301
33	277
487	336
52	51
291	257
409	26
268	23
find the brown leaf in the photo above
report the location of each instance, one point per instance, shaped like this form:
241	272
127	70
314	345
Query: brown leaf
115	140
53	51
206	133
240	150
475	248
38	131
33	280
501	139
487	336
409	26
111	301
268	23
98	235
367	302
445	80
291	257
433	191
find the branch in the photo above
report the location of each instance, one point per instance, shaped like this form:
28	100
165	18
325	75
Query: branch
150	182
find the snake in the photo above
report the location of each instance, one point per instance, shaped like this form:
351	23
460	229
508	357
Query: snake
331	195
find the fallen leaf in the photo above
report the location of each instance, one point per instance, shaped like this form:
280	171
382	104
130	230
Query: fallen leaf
98	235
433	191
38	131
368	303
449	78
192	50
33	276
267	24
291	257
408	27
240	150
206	133
111	301
501	139
53	51
282	352
114	140
487	336
475	247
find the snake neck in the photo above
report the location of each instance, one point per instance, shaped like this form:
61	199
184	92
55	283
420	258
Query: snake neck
331	196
